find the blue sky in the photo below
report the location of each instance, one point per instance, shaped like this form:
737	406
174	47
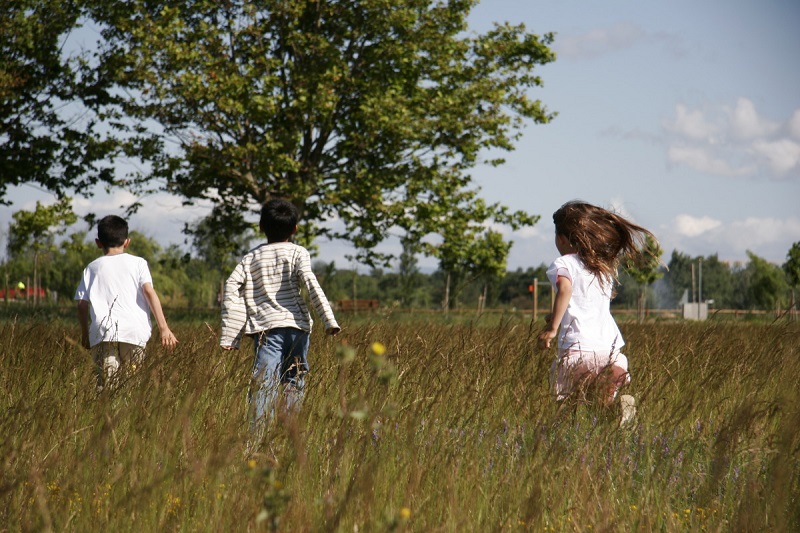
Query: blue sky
682	115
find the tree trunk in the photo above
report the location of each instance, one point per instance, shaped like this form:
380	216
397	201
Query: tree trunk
482	300
35	276
446	303
641	305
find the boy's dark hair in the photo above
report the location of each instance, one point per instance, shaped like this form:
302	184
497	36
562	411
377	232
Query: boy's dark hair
278	220
112	231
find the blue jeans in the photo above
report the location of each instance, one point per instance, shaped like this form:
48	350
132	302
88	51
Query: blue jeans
280	365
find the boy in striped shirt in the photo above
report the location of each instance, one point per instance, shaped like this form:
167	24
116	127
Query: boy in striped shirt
262	299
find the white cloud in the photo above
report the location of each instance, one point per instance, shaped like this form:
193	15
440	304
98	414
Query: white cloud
703	160
782	156
599	41
103	204
691	124
766	237
746	123
794	125
530	231
621	36
733	141
693	226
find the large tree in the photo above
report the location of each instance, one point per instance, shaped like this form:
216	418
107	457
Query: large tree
365	113
47	137
767	286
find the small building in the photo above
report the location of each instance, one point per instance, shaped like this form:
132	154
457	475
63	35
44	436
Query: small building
695	311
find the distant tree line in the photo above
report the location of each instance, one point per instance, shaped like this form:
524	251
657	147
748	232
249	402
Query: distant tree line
54	260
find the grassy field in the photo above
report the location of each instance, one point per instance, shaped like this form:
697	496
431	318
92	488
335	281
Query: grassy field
451	429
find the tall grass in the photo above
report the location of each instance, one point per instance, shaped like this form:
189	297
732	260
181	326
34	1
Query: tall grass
451	429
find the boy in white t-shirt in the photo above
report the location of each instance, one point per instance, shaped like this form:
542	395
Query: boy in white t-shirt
115	298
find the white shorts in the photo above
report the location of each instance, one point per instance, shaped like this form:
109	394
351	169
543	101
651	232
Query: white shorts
573	366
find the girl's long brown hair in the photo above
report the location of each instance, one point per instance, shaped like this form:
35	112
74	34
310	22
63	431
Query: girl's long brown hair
601	238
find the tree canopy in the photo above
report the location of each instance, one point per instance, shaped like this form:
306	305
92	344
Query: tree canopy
47	137
367	114
792	265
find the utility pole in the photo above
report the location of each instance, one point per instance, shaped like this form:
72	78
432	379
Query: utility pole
700	281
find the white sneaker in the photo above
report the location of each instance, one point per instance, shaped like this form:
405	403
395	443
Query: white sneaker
628	407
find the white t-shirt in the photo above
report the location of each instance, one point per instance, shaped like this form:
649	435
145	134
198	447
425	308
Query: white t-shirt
587	325
112	285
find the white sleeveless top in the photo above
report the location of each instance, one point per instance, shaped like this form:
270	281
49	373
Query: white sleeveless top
587	324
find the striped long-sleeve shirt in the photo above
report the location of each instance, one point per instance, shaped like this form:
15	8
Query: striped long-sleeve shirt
263	293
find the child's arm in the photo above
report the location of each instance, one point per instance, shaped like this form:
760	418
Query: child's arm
317	296
234	309
83	318
560	304
167	337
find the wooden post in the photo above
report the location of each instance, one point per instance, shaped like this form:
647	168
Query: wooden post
535	299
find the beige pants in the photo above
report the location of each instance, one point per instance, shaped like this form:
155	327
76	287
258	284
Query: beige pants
110	356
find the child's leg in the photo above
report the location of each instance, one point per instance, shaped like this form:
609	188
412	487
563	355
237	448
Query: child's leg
618	376
264	382
131	356
280	361
294	367
106	363
615	378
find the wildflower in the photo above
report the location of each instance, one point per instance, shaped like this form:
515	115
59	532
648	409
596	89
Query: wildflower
378	348
251	463
405	512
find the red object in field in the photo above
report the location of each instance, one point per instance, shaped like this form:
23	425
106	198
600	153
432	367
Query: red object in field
22	293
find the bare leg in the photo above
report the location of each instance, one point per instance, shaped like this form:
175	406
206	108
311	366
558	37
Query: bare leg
615	380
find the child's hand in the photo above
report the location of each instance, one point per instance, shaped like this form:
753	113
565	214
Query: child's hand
333	331
168	339
228	348
545	337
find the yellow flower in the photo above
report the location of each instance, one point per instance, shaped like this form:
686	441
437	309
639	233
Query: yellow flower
378	348
251	463
405	512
